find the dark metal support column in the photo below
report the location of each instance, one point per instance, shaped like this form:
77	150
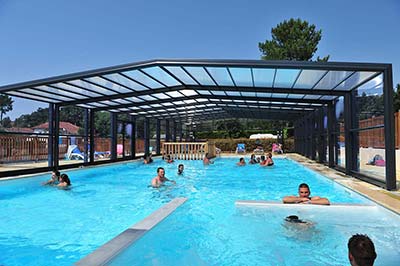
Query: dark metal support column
133	137
50	145
174	131
158	136
91	135
349	116
321	137
331	129
114	136
56	151
146	135
86	136
167	134
390	152
313	135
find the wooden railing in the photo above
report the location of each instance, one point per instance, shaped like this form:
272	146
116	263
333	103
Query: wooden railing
15	148
188	150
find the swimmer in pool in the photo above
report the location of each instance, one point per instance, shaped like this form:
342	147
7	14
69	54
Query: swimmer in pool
304	197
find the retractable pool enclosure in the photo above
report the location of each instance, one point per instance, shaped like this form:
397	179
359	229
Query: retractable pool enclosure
320	98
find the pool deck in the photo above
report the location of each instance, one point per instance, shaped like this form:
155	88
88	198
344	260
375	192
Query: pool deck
388	199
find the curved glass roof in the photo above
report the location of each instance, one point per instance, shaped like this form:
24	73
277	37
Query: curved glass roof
189	90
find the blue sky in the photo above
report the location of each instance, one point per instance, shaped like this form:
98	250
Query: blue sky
44	38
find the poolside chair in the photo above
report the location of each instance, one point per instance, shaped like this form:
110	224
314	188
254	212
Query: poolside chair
240	148
74	153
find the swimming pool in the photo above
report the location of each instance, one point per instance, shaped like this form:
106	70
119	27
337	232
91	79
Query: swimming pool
46	226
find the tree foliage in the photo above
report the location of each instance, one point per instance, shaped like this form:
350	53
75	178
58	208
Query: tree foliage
6	122
396	99
294	39
6	105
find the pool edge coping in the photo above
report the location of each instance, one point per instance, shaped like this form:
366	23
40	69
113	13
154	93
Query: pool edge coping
106	252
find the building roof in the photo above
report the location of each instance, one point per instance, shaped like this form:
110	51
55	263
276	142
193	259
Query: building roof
68	127
19	129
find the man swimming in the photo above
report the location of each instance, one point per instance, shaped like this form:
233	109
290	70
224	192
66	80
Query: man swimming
304	197
160	179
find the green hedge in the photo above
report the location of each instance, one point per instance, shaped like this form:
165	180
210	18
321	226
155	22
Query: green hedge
229	145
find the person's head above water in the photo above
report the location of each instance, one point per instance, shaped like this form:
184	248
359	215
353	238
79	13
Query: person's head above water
361	250
180	168
294	219
304	190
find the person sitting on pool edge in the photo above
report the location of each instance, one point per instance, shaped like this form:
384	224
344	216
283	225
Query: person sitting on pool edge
55	175
206	160
180	169
241	162
304	197
361	250
160	179
64	181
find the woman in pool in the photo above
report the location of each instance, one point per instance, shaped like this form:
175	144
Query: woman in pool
269	161
55	176
64	181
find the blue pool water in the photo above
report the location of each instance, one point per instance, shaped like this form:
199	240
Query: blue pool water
46	226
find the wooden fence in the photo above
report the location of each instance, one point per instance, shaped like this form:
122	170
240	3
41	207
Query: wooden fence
375	138
20	147
188	150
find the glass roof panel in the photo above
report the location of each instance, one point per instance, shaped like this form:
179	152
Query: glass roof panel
200	75
147	97
285	78
143	79
279	95
332	79
98	104
295	96
249	94
41	99
45	94
241	76
311	96
188	92
122	101
263	77
107	102
354	80
126	82
135	99
308	78
220	75
161	96
91	87
232	93
328	97
73	89
162	76
181	75
204	92
174	94
108	84
166	104
218	93
62	92
85	106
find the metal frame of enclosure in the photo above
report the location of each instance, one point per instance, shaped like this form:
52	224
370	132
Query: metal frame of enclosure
181	93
